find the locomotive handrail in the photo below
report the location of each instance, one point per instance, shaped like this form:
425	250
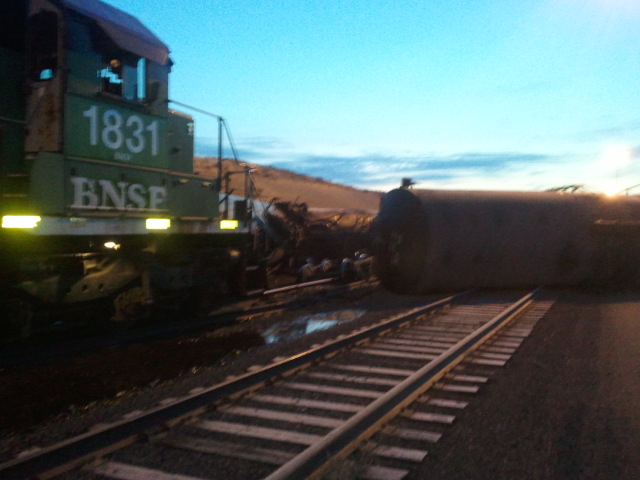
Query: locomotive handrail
221	123
196	109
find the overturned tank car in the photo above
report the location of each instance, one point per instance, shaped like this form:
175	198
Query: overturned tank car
427	240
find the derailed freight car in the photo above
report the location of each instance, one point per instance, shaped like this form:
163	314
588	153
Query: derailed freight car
98	196
429	240
318	238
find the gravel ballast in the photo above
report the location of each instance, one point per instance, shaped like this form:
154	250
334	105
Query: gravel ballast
565	406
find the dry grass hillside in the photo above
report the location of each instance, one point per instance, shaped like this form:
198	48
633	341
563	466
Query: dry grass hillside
285	185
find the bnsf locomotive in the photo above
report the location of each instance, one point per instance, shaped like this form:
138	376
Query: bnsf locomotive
98	197
427	240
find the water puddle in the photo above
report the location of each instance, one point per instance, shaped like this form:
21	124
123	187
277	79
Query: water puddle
299	327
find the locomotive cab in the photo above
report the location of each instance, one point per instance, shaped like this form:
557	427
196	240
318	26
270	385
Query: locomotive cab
95	169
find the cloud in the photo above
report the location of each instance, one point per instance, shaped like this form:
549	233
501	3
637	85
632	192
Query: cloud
252	150
617	131
381	170
376	169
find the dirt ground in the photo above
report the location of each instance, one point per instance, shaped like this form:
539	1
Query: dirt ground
566	406
270	183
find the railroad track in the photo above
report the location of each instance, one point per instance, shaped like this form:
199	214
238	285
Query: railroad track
377	398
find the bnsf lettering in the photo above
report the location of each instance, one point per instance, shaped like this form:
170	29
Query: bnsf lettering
107	195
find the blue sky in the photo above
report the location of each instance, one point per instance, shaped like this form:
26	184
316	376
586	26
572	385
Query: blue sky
471	94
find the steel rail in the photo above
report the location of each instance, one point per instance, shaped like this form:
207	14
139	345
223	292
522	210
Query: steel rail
318	458
56	459
298	286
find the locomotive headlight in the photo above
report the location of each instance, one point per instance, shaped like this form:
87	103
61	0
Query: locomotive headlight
20	221
158	223
228	224
112	245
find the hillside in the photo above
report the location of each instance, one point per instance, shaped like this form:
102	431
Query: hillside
285	185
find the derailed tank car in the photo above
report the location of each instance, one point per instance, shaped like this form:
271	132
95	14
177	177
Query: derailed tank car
98	197
427	240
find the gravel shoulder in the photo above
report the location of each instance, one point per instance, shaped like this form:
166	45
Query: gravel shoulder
565	407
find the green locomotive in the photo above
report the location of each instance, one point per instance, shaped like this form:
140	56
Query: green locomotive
98	196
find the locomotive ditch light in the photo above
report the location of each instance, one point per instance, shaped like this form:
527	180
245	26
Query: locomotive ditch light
20	221
228	224
112	245
158	223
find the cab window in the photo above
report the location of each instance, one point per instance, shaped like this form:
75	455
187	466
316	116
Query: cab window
124	76
43	46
